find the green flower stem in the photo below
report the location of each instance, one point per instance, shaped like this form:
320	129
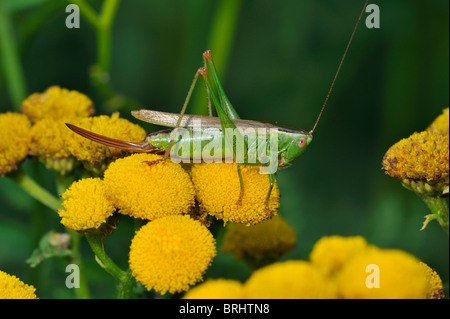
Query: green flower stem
86	10
36	191
439	209
104	30
75	258
222	32
102	23
62	183
126	285
125	278
104	260
14	77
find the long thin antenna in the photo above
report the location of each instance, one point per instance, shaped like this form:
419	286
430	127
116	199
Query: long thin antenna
339	68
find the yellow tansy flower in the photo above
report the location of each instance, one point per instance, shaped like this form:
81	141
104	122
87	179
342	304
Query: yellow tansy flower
421	161
435	287
382	273
217	289
171	253
86	206
260	244
14	140
57	103
441	123
97	156
330	253
49	140
292	279
149	191
217	188
12	287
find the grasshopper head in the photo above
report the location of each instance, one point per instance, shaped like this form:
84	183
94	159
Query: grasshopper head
296	147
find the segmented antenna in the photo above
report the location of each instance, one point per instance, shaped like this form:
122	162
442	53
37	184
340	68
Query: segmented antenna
339	68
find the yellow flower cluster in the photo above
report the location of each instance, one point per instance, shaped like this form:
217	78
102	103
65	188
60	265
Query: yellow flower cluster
289	279
14	140
332	252
435	288
422	156
149	191
260	244
41	132
49	139
57	103
217	289
218	189
12	287
48	111
86	206
339	267
173	250
131	186
421	161
171	253
441	123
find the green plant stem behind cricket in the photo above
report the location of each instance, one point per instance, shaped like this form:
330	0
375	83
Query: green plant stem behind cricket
102	24
14	78
220	41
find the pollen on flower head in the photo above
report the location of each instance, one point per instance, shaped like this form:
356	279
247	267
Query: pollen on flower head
148	191
95	154
218	188
12	287
14	140
217	289
331	253
86	206
382	273
441	123
422	157
259	244
171	253
435	287
57	103
292	279
49	142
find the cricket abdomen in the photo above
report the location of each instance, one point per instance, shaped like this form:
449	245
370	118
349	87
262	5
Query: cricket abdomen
211	145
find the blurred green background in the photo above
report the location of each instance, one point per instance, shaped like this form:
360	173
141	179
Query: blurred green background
277	60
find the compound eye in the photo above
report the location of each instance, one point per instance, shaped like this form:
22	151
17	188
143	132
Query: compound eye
301	142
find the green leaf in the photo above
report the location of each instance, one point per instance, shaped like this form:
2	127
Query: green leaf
52	244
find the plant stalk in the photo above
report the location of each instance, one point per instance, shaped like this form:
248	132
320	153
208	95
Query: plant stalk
439	209
14	78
